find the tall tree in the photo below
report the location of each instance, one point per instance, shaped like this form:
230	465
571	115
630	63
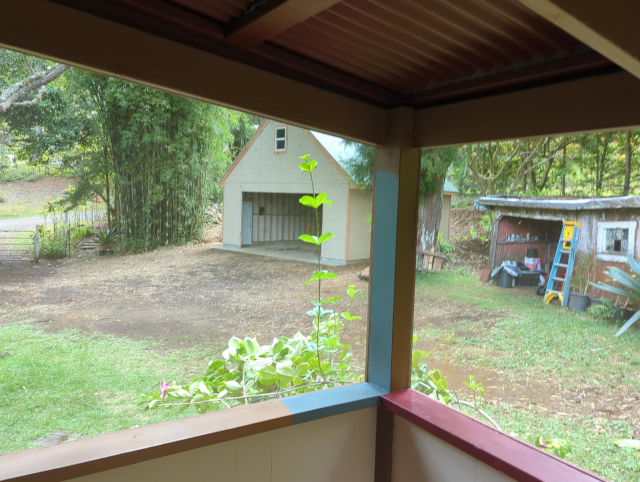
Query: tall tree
627	170
434	166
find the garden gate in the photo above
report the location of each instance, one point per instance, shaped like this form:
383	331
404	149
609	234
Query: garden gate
19	245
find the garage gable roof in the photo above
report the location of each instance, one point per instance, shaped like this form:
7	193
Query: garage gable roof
332	147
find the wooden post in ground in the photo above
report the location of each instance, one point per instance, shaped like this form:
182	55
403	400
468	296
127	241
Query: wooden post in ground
36	244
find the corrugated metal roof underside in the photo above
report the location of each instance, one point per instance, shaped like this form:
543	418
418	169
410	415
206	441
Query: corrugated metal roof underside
408	45
385	52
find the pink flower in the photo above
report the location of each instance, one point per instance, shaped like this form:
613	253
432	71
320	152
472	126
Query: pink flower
164	386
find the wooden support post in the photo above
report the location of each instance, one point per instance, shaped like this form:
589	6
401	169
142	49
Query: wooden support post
392	288
393	269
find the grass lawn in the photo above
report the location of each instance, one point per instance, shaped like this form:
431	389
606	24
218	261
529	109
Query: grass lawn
547	372
581	382
80	383
16	211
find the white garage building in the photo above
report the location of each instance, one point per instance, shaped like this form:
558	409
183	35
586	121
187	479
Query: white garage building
264	183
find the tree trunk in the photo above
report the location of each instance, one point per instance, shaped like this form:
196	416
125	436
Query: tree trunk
429	216
627	171
564	171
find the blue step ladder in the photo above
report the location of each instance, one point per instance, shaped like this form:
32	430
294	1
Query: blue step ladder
565	259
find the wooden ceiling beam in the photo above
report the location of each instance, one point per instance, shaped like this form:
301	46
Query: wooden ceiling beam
609	27
605	102
47	29
271	18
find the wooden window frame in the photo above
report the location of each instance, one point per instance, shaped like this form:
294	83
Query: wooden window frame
276	139
602	253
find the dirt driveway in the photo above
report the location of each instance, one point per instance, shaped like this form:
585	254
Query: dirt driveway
181	295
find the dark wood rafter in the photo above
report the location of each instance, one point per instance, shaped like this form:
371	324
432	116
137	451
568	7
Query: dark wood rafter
328	78
174	15
265	20
222	11
614	34
543	111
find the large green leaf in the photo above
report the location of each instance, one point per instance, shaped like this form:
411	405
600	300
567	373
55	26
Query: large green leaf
325	237
320	275
308	201
322	199
233	386
307	238
629	322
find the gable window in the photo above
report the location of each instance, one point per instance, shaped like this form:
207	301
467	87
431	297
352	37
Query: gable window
616	240
281	139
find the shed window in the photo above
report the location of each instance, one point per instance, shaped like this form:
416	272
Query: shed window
281	139
616	240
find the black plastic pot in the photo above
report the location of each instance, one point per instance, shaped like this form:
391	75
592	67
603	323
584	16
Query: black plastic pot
579	302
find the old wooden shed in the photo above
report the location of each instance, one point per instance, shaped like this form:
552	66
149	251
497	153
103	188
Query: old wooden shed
608	229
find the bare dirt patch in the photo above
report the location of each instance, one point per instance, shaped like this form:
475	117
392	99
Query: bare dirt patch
180	295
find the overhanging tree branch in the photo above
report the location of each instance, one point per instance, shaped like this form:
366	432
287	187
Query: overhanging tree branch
12	95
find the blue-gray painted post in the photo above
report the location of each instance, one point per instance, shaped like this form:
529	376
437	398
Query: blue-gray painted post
394	230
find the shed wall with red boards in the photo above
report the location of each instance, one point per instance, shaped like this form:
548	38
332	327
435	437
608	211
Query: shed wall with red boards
593	257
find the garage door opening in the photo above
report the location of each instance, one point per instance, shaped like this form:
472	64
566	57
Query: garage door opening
277	220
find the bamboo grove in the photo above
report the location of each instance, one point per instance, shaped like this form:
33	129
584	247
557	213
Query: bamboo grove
153	158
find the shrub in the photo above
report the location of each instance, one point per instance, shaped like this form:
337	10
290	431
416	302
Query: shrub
81	232
52	247
446	248
3	197
108	239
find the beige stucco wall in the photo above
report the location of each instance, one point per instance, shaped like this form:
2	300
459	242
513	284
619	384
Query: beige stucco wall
445	219
359	228
263	170
419	456
333	449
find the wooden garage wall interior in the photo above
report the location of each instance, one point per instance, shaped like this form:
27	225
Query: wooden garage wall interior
280	217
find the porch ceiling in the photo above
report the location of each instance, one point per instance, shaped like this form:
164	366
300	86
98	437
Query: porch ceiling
386	52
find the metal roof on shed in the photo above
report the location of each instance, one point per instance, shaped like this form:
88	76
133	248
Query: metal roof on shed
621	202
